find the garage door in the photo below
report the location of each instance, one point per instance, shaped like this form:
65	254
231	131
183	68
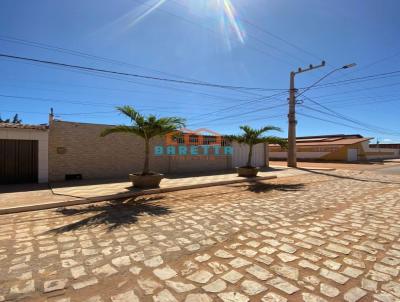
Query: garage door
18	161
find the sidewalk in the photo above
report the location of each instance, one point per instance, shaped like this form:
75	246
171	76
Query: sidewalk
361	166
16	198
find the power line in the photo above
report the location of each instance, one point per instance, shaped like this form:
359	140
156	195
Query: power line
341	116
359	90
57	100
358	123
367	66
113	61
280	38
217	34
358	79
76	102
241	114
127	74
243	121
244	104
158	86
108	60
336	123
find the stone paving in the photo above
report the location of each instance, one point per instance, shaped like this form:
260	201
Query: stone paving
324	236
14	197
104	189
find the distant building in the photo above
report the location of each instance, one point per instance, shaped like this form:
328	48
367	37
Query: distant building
388	146
337	147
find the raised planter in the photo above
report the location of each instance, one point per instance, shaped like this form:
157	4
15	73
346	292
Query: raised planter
146	181
247	172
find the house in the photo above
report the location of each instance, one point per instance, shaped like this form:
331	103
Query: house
65	150
336	147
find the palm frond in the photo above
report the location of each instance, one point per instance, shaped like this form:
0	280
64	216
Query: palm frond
132	114
273	140
253	136
269	128
146	127
119	129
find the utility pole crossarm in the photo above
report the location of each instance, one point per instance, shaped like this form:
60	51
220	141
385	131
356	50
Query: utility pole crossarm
310	67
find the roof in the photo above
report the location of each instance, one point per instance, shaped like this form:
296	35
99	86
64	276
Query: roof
331	140
331	136
339	141
23	126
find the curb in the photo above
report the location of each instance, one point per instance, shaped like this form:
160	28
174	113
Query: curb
317	169
311	168
74	202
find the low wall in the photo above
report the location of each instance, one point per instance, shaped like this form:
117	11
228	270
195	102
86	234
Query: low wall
381	153
77	148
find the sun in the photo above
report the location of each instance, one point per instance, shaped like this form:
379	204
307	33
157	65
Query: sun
222	11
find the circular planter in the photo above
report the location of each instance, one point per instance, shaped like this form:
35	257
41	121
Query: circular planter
146	181
247	172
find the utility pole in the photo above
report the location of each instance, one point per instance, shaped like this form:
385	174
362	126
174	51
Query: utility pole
292	159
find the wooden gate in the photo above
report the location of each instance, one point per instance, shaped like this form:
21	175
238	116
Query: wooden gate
18	161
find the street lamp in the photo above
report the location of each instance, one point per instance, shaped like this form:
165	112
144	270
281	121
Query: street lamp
327	75
292	157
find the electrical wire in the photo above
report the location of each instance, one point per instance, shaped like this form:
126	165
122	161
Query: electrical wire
336	123
147	77
241	114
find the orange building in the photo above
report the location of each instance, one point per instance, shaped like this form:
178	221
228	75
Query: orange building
337	147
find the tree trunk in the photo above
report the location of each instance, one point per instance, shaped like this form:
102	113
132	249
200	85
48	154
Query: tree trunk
146	157
250	155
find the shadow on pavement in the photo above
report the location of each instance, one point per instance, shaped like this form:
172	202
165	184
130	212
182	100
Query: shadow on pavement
349	177
261	187
113	214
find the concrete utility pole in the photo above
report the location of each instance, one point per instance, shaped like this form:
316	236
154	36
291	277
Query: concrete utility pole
291	159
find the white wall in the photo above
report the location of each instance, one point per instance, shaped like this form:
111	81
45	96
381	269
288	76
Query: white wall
394	153
42	136
241	151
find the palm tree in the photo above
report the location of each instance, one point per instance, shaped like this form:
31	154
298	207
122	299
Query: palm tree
14	120
146	127
253	137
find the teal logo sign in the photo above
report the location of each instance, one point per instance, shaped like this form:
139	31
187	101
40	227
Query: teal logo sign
190	144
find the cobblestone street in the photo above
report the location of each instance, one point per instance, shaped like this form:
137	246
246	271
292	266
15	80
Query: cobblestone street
322	236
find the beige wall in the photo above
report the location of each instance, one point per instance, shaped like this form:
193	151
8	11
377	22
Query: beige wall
84	152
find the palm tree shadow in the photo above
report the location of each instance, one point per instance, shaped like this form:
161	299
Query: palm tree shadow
114	214
261	187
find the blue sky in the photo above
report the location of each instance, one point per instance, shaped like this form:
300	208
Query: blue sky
257	46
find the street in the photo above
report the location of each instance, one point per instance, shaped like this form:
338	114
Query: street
323	236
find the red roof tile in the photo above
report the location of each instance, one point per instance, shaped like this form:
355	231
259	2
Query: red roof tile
24	126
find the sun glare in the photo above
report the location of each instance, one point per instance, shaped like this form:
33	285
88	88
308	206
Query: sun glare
147	12
231	16
222	11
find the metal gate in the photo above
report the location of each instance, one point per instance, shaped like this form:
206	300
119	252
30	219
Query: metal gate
241	151
18	161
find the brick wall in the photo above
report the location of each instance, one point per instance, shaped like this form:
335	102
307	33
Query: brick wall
77	148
